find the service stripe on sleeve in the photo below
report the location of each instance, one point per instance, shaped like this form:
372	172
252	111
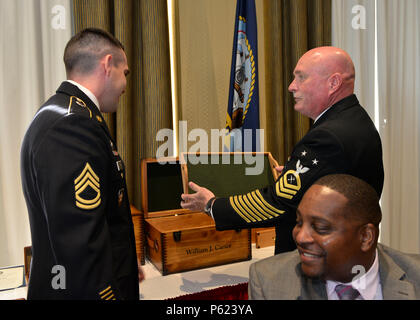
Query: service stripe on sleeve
253	209
266	204
247	209
232	203
239	206
260	209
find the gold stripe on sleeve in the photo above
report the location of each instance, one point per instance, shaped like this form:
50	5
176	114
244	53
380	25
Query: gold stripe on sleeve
253	209
239	211
266	204
267	213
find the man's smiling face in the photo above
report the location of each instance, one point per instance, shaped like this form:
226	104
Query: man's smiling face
329	244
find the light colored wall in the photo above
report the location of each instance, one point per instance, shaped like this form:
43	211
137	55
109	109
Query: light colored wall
31	68
204	49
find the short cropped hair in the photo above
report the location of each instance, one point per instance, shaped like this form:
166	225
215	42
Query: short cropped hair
86	48
363	201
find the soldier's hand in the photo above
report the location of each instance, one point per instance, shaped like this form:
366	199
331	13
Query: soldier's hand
198	200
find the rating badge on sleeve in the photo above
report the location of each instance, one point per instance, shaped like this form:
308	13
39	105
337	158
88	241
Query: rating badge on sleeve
289	184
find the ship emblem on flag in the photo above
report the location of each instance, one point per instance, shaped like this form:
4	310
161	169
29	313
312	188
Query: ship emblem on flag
243	104
244	78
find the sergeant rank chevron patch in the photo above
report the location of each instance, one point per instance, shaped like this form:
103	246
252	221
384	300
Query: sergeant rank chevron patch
87	189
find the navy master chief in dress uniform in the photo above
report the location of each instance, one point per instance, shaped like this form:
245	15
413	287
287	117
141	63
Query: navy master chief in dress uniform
74	181
343	139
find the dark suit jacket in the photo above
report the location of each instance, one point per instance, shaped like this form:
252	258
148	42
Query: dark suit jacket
74	184
281	277
343	140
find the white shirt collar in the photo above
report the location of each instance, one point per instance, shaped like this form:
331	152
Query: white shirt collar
368	284
87	92
319	116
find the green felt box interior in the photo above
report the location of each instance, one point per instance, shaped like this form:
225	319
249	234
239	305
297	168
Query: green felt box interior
164	186
229	179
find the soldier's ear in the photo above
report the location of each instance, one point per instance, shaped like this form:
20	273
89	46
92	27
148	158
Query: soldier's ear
106	63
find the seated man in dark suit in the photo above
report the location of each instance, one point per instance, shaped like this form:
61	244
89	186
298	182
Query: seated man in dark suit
337	254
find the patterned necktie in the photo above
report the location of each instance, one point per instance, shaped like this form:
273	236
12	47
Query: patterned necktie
345	292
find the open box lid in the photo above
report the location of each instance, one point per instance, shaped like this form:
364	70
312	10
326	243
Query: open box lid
228	173
161	187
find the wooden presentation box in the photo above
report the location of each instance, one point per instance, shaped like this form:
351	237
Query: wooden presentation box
177	239
138	225
265	237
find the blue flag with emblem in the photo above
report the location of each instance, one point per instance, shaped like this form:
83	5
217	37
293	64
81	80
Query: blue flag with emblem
243	118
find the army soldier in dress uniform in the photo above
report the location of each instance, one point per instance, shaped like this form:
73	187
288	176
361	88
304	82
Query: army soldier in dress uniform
73	180
342	139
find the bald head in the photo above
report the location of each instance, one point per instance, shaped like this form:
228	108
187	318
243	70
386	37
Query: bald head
330	60
323	76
